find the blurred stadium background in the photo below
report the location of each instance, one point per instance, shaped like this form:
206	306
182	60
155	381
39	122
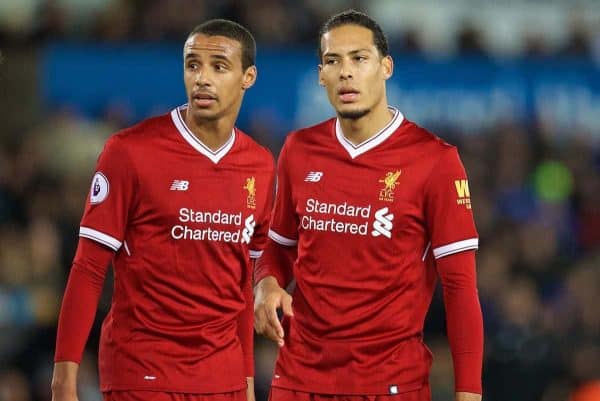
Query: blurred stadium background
514	83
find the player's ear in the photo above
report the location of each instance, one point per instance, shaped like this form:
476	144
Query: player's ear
388	66
249	77
321	81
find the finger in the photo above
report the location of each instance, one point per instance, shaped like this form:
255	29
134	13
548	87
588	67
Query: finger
258	326
264	327
271	333
286	305
274	320
260	320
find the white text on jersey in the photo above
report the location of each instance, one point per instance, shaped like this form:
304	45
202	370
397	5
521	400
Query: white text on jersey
180	185
346	218
314	176
213	226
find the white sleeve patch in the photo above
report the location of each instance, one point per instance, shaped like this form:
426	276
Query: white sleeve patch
456	247
280	239
99	237
100	188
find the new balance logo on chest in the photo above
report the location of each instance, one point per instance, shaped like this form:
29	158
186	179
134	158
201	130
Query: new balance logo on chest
179	185
314	176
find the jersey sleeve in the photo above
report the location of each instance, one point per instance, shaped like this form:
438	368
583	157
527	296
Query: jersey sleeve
464	321
277	261
261	231
284	221
246	324
109	200
80	300
449	217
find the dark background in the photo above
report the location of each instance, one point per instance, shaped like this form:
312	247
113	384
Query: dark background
514	84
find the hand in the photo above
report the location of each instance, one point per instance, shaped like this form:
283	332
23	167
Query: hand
250	389
64	381
269	297
463	396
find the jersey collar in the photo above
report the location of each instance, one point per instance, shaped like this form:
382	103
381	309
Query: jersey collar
196	143
378	138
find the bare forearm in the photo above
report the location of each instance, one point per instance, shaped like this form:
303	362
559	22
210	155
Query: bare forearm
64	380
464	396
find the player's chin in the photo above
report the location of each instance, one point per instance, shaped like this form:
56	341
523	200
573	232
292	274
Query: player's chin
205	113
352	111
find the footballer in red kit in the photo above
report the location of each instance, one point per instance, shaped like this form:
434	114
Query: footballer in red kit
184	222
181	204
370	210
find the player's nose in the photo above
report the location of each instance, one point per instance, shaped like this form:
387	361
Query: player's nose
201	77
345	69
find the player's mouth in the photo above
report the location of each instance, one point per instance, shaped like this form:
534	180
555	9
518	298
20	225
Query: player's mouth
348	95
203	99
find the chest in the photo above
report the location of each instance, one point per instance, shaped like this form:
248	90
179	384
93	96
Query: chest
337	185
194	190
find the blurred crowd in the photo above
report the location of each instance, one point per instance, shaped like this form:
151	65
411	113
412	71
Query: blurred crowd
536	200
506	27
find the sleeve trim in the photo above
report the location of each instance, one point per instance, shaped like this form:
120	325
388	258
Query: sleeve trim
255	254
281	240
100	237
425	252
455	247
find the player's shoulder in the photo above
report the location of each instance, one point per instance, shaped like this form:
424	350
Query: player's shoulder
311	134
130	136
426	140
260	153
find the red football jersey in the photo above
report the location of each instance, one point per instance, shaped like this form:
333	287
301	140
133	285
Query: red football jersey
368	221
184	221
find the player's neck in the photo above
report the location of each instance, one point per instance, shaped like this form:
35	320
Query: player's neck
361	129
212	133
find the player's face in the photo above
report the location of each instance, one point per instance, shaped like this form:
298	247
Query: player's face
353	71
214	78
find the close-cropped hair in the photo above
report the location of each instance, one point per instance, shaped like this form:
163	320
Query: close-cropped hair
231	30
353	17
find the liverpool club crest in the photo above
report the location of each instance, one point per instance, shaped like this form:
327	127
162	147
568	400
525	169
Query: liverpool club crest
251	188
390	181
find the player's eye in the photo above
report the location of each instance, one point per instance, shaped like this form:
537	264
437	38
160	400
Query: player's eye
360	58
220	67
331	61
193	66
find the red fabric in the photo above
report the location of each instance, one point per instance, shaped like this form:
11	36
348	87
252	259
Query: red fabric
280	394
246	325
162	396
80	300
277	261
184	221
447	206
463	318
367	221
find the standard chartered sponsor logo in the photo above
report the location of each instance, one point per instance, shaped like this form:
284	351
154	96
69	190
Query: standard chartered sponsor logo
345	218
383	223
340	209
336	225
249	224
214	232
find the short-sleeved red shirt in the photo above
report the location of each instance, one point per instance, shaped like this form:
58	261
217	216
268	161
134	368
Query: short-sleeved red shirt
184	221
368	221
